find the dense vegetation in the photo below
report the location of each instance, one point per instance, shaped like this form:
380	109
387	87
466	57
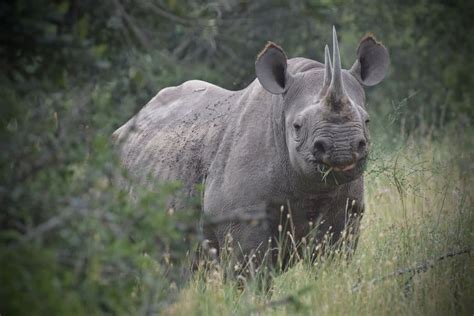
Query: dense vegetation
72	71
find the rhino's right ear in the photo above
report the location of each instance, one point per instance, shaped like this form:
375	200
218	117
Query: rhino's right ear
270	69
372	61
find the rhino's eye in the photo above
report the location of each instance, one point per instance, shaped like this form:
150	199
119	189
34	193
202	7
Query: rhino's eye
296	126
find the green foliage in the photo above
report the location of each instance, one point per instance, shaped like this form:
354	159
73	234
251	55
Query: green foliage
73	242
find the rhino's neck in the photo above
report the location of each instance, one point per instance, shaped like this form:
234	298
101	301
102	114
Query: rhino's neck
279	130
291	183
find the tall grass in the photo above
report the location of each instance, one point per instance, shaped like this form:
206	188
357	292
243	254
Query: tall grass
418	209
75	243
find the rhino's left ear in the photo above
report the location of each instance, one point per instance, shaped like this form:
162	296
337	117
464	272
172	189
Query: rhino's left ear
372	61
270	69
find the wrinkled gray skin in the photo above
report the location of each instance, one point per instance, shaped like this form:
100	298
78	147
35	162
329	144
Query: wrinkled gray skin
264	146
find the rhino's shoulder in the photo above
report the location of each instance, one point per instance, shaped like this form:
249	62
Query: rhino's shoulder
171	104
175	135
189	89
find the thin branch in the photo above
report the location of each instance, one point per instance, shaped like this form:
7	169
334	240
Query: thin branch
131	24
293	299
419	268
51	224
170	16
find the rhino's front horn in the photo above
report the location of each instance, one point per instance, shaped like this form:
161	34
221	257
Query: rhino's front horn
336	90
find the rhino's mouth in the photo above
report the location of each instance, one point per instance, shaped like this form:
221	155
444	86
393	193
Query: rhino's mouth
325	168
345	168
340	174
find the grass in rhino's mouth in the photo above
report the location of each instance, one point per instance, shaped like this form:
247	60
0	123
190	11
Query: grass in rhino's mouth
325	174
324	169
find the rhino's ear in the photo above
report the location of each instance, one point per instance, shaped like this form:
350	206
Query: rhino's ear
372	61
270	69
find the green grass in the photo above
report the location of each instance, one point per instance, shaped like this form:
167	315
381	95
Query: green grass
418	208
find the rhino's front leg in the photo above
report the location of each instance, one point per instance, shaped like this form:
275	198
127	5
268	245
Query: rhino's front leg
245	235
249	243
343	222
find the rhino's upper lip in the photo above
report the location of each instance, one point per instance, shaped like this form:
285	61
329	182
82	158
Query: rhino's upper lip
345	168
324	167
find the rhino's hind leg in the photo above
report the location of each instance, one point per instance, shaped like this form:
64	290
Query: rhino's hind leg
207	250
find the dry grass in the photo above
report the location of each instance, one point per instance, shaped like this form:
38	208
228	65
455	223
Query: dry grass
418	207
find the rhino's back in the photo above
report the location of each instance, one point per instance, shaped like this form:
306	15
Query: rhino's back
185	130
175	135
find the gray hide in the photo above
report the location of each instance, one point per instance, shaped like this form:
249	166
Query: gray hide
268	145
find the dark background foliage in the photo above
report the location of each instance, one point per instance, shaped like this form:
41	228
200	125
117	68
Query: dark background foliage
72	71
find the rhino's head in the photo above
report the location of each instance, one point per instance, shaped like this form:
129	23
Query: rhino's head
325	120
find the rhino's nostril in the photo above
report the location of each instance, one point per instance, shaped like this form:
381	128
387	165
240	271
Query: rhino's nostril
362	145
320	146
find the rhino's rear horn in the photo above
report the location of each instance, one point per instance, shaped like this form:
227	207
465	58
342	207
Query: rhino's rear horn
327	72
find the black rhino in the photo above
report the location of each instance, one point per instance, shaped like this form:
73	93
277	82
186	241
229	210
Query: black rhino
296	136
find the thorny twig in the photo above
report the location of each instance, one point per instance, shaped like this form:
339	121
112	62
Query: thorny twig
422	267
419	268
